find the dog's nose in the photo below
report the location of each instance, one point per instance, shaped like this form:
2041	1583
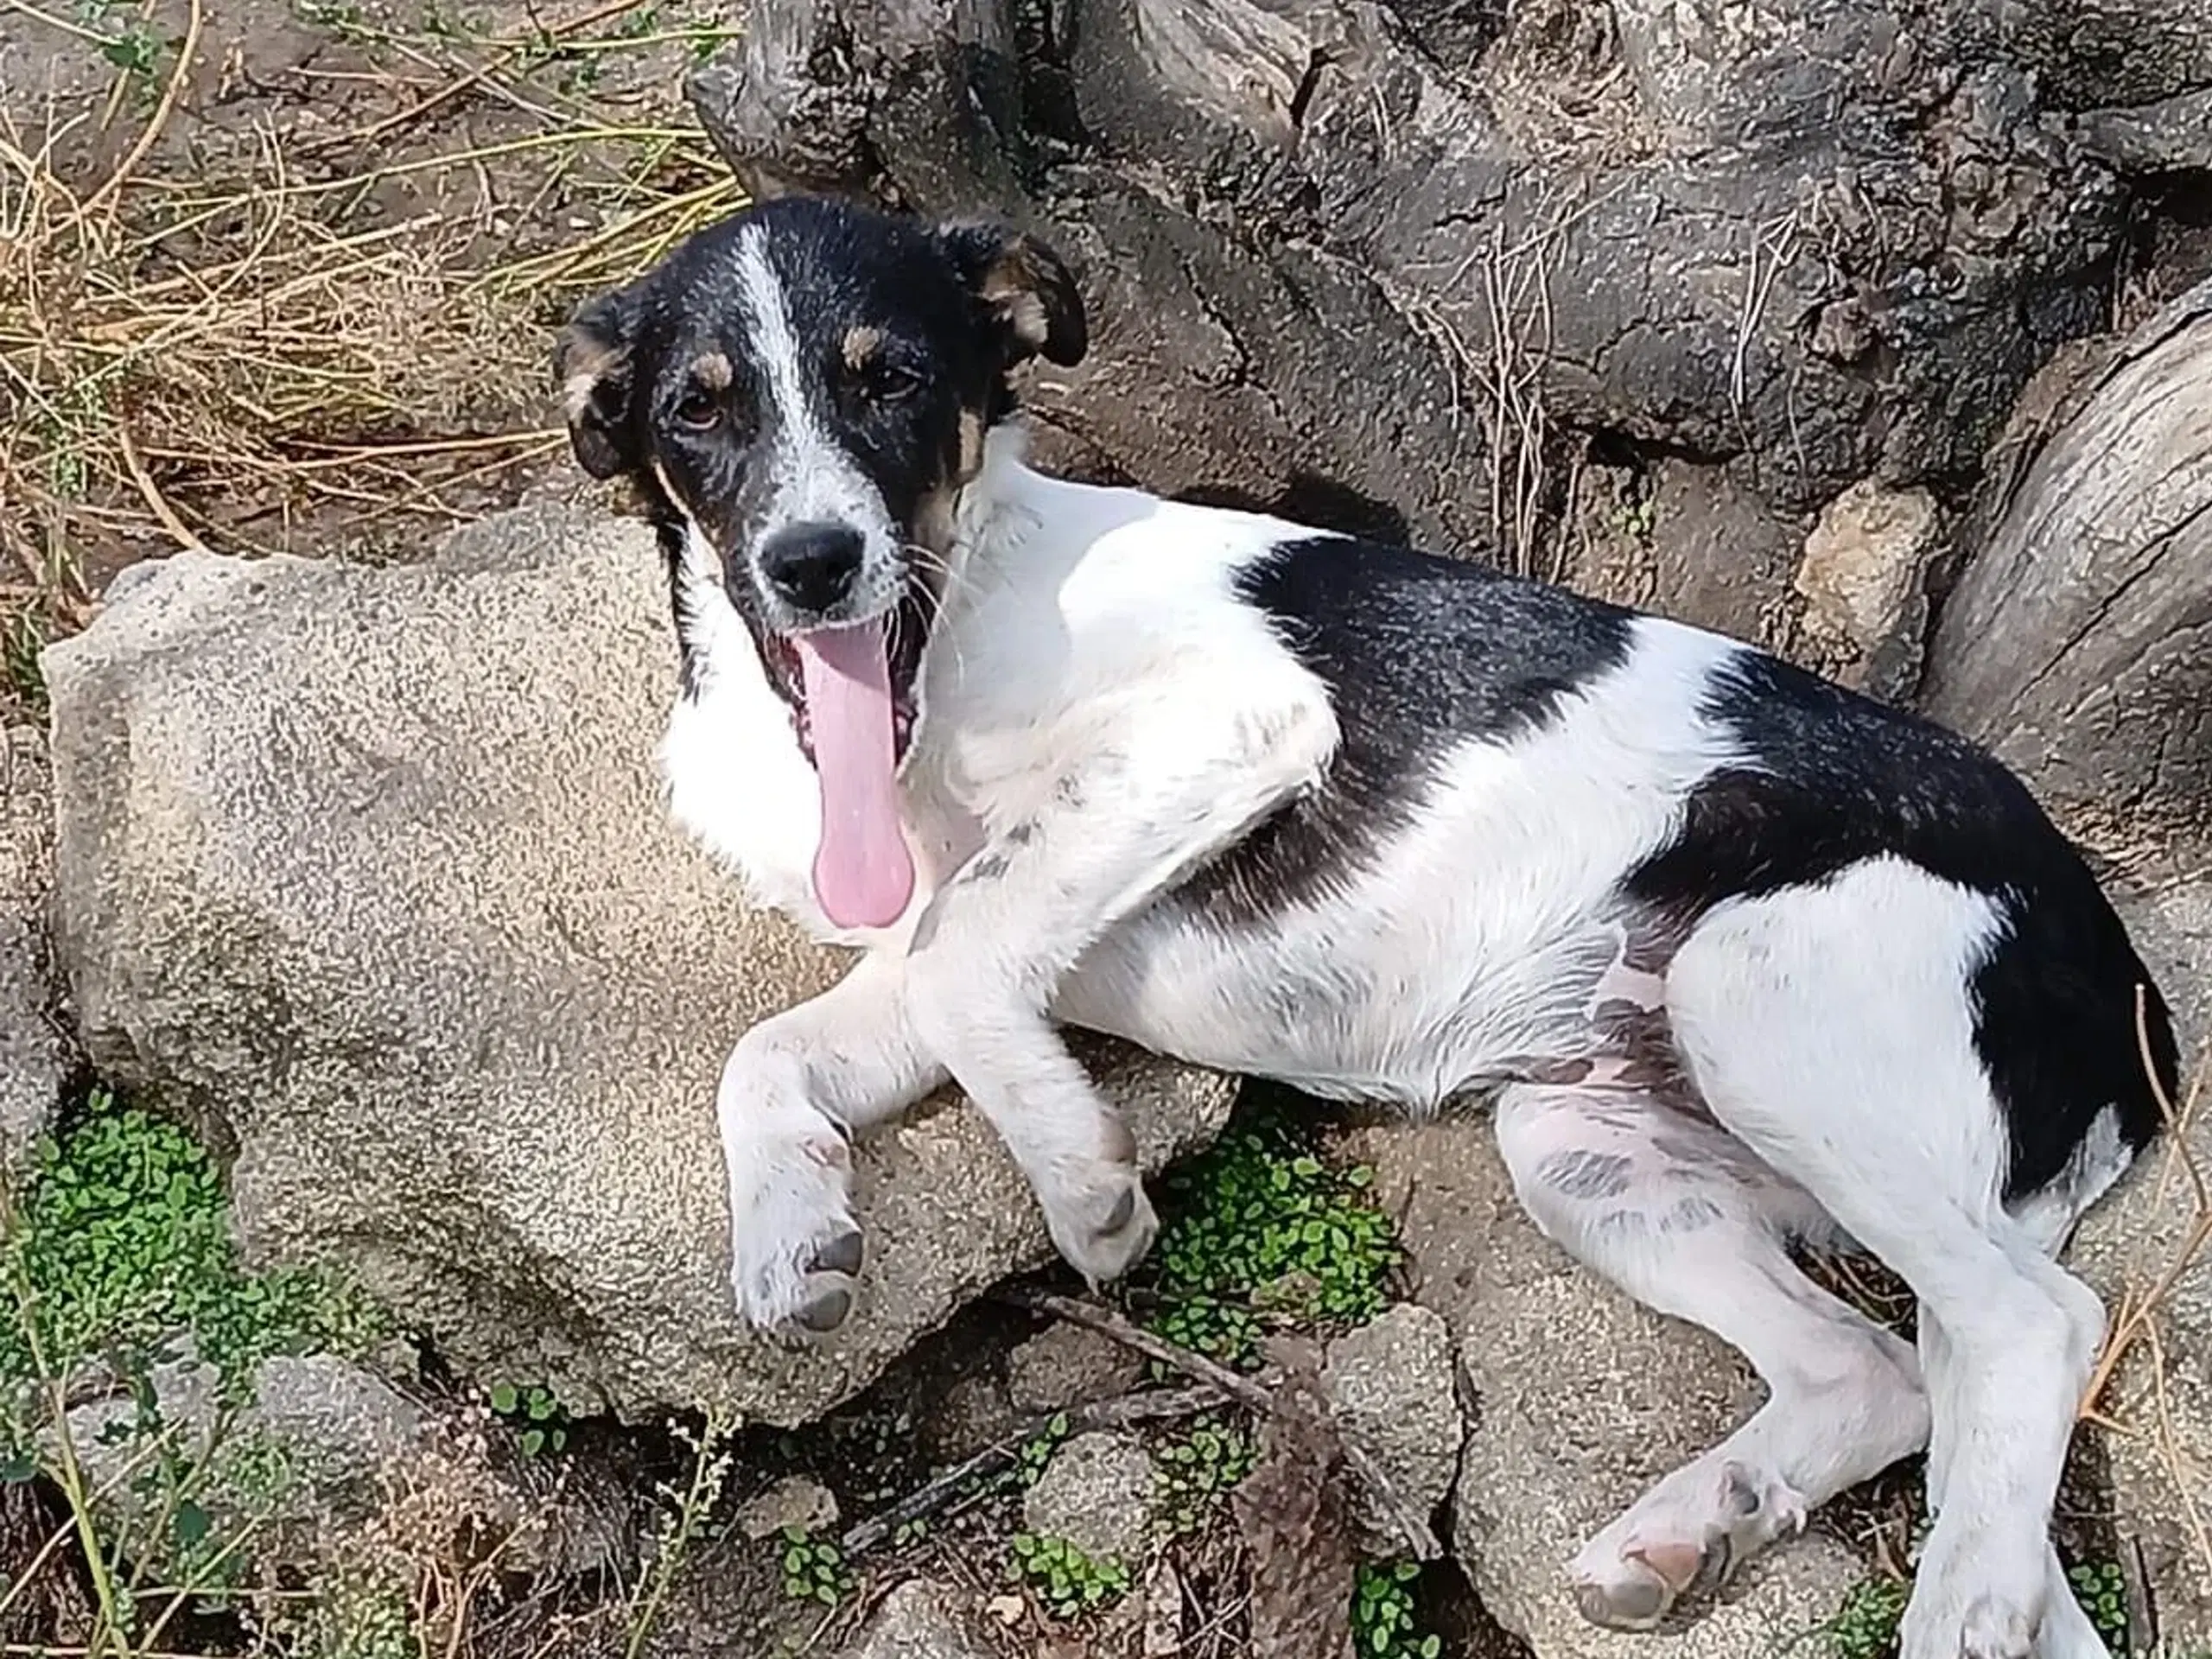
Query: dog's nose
811	566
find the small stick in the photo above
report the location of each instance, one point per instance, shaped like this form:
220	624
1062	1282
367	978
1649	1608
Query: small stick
1411	1527
1150	1405
1104	1320
179	532
170	91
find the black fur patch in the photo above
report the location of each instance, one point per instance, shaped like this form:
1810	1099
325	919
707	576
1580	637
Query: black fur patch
1840	780
1419	653
895	414
903	335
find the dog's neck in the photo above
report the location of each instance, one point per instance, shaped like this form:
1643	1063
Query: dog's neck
997	511
994	495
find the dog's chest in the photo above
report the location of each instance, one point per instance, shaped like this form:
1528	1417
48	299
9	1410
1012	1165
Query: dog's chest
738	783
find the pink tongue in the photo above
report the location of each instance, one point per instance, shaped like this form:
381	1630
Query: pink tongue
863	874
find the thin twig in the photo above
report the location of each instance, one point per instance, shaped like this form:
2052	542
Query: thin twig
484	71
159	121
156	503
54	20
1097	1317
1413	1528
1148	1405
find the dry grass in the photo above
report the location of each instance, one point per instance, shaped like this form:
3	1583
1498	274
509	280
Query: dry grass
2140	1316
209	351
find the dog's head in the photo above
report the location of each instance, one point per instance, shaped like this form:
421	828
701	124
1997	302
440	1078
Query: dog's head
804	388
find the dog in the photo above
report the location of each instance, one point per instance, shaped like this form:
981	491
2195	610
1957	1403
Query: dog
1746	960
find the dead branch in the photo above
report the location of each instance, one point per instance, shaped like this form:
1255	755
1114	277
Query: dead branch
1411	1526
1143	1406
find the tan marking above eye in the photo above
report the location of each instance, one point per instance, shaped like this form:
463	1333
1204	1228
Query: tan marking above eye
713	372
861	344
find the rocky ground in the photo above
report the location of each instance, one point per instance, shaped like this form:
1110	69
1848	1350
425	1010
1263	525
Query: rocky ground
357	1005
435	1330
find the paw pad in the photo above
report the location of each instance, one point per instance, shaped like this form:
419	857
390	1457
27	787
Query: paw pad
826	1310
843	1253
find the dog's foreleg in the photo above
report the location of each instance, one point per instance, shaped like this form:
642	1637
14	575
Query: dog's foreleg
1115	829
796	1087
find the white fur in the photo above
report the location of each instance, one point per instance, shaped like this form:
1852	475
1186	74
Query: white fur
1100	712
815	479
1862	1082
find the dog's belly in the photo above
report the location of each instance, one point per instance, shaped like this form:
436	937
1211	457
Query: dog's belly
1359	1008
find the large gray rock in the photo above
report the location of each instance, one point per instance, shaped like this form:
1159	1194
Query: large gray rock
33	1055
368	870
1097	1494
1579	1399
1065	1365
316	1458
1392	1387
916	1621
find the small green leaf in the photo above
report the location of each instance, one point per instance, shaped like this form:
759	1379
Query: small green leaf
189	1524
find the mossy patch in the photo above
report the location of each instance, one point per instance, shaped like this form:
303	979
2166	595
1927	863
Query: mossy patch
120	1243
1263	1230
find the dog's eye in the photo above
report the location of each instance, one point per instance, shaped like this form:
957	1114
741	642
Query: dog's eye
889	383
699	408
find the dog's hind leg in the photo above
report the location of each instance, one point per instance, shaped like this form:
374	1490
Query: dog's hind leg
1832	1030
2068	1630
1684	1218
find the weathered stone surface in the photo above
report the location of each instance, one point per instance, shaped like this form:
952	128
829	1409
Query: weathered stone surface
368	870
1864	579
331	1463
2138	1243
1096	1493
1392	1387
2078	643
335	1427
1579	1399
1065	1365
1693	543
916	1621
1403	258
795	1501
973	1413
33	1053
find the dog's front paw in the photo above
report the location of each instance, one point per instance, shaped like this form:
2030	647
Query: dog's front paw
795	1250
1102	1227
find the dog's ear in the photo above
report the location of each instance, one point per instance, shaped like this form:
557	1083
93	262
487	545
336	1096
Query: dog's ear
1025	285
592	360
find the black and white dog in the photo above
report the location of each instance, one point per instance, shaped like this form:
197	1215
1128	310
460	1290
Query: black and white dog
1748	959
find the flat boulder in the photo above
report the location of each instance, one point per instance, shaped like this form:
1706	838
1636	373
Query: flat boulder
366	871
